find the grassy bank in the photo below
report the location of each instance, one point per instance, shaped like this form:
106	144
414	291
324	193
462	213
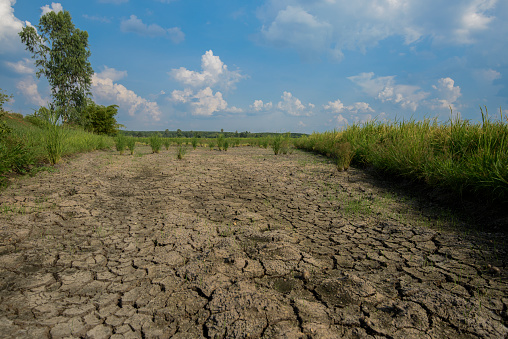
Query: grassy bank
24	144
464	157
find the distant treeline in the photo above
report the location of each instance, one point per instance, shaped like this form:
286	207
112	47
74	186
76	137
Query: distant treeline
205	134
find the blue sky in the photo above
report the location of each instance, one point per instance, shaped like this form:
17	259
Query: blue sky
275	65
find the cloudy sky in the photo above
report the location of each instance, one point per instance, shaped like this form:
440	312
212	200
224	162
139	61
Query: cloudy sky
274	65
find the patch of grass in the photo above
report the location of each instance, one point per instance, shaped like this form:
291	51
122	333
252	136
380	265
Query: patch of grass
120	143
155	142
469	159
131	144
181	152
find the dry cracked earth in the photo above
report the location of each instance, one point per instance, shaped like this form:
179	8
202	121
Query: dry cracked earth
238	244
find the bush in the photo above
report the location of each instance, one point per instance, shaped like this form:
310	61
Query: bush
120	142
131	144
181	152
155	142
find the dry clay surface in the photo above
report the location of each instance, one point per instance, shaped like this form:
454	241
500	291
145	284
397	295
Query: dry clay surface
237	244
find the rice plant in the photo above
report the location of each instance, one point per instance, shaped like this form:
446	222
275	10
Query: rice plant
181	152
194	142
120	143
155	142
166	142
131	144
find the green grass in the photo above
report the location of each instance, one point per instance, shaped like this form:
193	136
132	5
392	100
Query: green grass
463	157
28	144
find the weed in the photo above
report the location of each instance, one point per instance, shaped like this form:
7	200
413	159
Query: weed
181	152
131	144
155	142
194	142
120	143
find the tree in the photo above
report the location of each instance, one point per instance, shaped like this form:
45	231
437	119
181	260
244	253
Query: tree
61	54
101	119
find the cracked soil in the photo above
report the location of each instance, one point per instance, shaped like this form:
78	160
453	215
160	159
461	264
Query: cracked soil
239	244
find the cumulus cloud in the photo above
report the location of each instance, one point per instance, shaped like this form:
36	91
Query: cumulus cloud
486	75
9	28
447	94
293	106
198	93
24	66
258	106
334	26
294	25
358	112
214	73
387	90
204	102
135	25
55	7
111	73
334	106
104	88
28	87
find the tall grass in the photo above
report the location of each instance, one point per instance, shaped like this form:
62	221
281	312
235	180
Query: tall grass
29	141
461	156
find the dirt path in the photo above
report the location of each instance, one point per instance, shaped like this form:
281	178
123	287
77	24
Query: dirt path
237	244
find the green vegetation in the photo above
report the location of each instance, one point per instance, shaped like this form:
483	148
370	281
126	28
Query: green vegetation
131	144
51	44
28	142
460	156
181	152
155	143
120	142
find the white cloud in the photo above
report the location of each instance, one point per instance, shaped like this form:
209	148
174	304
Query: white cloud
293	106
385	89
24	66
10	26
55	7
447	92
334	26
360	107
341	121
30	91
111	73
207	103
204	102
135	25
486	75
106	89
214	72
258	106
181	96
294	25
336	106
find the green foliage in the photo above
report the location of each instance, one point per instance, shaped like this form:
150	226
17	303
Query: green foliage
181	152
61	54
460	156
220	141
54	136
131	144
100	119
194	142
276	144
211	144
120	142
155	143
225	144
166	142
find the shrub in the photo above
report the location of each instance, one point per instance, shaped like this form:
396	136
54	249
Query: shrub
220	141
166	142
181	152
120	142
194	142
155	142
225	144
211	144
131	144
276	144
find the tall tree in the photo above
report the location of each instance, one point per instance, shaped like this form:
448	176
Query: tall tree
61	54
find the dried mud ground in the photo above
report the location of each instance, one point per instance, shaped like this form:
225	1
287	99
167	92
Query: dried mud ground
239	244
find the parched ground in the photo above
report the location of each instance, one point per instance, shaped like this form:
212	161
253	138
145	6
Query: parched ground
239	244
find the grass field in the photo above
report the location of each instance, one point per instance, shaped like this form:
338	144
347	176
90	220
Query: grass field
464	157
